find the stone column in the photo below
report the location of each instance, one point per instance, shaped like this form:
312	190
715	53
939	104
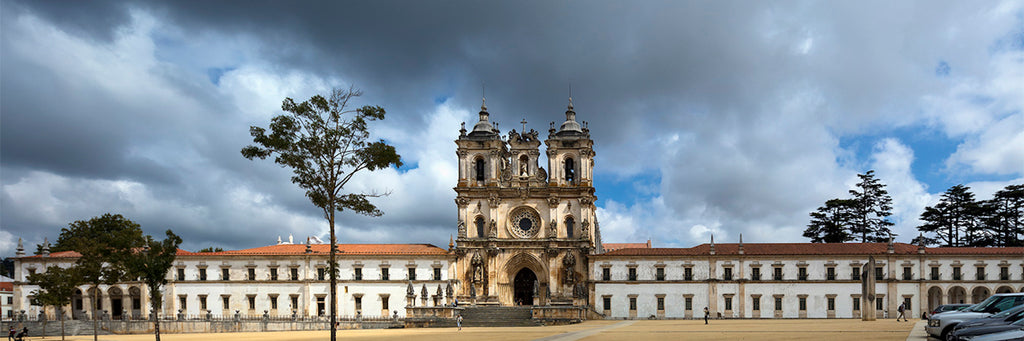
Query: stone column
867	276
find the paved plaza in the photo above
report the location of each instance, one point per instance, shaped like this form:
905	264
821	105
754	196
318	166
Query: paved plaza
832	330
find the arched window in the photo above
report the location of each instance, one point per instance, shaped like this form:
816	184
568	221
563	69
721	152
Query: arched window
570	226
480	227
479	169
570	172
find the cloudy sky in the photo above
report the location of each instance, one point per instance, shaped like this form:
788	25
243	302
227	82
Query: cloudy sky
708	118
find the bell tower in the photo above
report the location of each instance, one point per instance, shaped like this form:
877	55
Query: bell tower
524	234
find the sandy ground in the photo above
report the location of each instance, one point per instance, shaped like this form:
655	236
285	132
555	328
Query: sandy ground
831	330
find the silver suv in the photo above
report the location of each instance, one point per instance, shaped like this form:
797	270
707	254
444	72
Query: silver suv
941	324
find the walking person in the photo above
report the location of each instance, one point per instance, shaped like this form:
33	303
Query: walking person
902	308
10	333
707	313
458	321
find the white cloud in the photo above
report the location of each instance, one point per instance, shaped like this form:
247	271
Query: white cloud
892	162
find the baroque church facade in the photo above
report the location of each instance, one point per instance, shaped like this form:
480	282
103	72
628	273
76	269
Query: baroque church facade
525	230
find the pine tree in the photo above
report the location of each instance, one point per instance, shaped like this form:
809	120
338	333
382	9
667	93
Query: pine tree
872	207
956	219
830	223
1005	220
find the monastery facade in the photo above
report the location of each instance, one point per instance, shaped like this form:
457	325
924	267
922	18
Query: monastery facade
528	235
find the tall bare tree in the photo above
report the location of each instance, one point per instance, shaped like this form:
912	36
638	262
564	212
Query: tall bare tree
326	143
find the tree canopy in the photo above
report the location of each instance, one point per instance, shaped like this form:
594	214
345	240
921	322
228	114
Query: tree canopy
150	265
326	143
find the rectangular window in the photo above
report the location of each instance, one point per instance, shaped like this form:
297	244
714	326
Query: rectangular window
632	303
802	273
606	274
202	275
755	274
855	273
879	273
879	304
755	303
321	273
225	274
384	274
632	274
252	302
980	273
830	273
688	274
437	274
181	274
956	273
728	303
295	302
935	273
273	274
659	274
907	273
412	274
1004	273
358	275
252	274
727	274
183	301
778	274
778	303
831	303
661	303
856	303
689	303
607	303
906	303
273	302
226	301
202	302
295	273
803	303
321	306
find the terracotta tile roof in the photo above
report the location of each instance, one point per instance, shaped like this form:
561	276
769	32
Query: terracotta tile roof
343	249
74	254
810	249
6	286
619	246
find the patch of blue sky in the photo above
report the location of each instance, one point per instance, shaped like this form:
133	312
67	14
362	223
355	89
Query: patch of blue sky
440	99
942	70
215	73
627	190
931	149
1011	41
407	166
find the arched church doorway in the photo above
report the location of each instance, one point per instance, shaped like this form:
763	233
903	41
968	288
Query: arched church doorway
523	287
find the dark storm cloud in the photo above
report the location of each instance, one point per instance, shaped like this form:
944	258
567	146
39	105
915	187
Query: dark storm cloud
734	104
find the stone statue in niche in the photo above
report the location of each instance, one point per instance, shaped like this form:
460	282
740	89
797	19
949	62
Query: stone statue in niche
552	229
493	229
585	228
462	229
477	266
523	169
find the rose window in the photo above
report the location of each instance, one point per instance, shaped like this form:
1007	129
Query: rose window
524	222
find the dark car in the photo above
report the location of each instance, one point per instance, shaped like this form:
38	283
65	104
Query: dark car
996	323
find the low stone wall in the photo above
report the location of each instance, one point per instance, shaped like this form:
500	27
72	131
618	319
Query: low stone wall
425	317
559	314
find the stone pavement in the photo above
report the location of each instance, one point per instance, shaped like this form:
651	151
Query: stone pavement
633	330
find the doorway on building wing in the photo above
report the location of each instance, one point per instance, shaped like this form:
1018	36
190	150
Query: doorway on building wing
523	287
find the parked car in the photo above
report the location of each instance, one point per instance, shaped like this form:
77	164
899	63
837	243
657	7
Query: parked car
1012	334
941	324
993	324
948	307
